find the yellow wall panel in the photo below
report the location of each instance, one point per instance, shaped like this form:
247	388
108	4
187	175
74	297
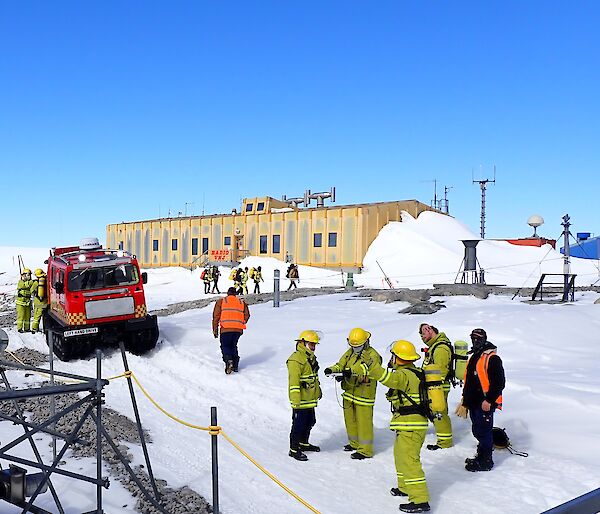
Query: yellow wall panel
356	226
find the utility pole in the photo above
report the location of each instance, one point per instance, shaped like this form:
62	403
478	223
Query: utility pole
483	186
567	257
445	207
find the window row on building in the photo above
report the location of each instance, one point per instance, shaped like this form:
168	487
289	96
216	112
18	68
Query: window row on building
275	247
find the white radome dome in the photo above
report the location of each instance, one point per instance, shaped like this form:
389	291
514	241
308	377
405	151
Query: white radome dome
535	221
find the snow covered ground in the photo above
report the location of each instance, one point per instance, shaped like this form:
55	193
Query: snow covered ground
550	353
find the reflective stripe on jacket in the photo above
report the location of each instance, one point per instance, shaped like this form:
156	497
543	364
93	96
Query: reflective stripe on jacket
482	374
358	388
400	379
232	314
481	371
440	353
24	292
304	388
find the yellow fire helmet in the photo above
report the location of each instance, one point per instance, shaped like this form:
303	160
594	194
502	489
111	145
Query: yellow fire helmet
358	337
26	271
309	336
405	350
39	272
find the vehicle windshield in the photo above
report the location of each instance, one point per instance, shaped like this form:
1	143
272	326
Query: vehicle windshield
99	278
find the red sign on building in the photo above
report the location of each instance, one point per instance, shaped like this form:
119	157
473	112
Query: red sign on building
220	255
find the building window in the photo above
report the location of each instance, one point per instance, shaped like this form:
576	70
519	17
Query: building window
249	207
155	245
174	245
332	240
194	246
318	240
260	206
227	241
120	245
277	243
204	245
263	244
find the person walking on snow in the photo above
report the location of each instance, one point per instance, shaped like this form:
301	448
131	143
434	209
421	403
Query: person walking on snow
207	279
482	395
359	392
230	314
244	280
257	277
304	392
439	352
40	300
408	421
23	300
293	275
215	276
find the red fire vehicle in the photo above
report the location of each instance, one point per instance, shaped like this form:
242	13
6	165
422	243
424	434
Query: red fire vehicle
96	298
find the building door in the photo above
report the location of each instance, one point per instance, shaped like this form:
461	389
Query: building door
238	247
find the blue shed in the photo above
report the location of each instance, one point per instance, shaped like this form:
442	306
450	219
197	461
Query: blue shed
585	248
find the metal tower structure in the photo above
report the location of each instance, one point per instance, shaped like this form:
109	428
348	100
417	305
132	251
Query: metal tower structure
483	186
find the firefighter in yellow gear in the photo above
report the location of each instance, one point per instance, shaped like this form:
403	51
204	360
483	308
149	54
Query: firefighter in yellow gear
359	392
40	299
439	352
304	393
244	280
408	421
23	301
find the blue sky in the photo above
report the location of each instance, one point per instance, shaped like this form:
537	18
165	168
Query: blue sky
113	111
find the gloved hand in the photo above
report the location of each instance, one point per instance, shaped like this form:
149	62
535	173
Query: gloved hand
216	334
347	373
328	371
461	411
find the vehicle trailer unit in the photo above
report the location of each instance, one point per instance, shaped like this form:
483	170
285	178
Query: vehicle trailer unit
96	298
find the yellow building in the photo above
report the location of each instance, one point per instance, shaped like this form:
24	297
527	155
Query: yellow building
333	236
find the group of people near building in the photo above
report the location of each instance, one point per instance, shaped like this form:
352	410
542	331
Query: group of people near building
240	276
31	292
360	368
210	276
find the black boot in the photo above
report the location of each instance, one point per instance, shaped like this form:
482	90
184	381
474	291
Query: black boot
236	363
470	460
229	367
358	456
415	507
482	463
348	448
394	491
434	447
307	447
298	455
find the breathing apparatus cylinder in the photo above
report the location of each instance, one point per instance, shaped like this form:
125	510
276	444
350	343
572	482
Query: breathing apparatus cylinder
461	349
433	380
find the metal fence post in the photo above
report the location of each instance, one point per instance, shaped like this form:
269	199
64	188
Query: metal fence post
98	431
215	461
276	293
350	280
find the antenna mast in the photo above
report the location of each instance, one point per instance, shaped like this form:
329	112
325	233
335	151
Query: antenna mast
483	186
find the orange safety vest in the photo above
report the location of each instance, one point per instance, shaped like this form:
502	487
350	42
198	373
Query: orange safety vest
232	313
481	369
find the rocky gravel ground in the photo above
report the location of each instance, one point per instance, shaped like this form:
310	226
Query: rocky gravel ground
121	429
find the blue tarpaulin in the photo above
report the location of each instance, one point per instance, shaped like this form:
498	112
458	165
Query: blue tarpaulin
587	249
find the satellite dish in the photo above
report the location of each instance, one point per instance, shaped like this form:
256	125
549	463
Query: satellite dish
90	243
535	221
